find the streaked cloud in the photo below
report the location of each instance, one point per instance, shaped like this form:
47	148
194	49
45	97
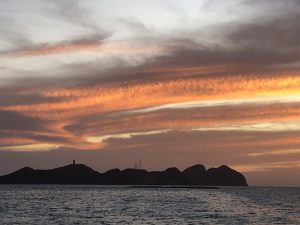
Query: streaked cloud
95	139
265	167
30	147
279	152
56	48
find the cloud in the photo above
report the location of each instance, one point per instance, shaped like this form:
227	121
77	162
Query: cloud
242	46
222	91
16	121
72	11
90	42
263	43
61	26
259	117
29	93
110	97
11	35
250	46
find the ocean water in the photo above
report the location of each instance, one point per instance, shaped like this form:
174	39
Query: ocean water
51	204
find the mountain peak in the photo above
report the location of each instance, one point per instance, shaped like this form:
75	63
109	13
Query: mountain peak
224	167
172	170
196	174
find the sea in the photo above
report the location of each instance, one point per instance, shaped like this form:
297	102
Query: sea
67	204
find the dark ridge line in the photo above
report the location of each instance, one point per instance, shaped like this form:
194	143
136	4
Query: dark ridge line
195	176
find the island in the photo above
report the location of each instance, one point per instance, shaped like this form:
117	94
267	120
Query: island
195	175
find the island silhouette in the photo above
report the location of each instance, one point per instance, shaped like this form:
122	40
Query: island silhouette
195	175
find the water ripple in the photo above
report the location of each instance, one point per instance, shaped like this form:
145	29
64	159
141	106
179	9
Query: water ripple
110	205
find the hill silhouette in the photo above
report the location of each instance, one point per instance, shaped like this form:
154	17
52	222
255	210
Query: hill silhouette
81	174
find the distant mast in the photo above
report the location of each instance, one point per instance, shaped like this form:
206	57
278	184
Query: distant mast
74	162
140	164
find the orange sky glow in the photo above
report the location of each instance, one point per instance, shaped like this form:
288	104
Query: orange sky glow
109	91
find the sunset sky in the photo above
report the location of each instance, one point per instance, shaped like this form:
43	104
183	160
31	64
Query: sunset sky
170	82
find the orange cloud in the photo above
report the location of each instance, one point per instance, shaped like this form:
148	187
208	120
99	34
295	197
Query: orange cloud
108	98
102	109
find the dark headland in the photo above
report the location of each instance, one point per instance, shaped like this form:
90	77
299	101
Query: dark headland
193	176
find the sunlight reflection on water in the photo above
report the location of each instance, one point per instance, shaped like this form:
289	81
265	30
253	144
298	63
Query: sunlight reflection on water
111	205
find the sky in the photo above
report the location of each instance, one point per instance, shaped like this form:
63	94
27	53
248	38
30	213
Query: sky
170	82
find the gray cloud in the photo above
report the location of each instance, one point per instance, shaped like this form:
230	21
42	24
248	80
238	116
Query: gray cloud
18	95
16	33
73	11
266	43
52	48
11	34
279	33
44	138
15	121
262	45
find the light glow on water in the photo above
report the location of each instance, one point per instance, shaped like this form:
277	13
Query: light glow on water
123	205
